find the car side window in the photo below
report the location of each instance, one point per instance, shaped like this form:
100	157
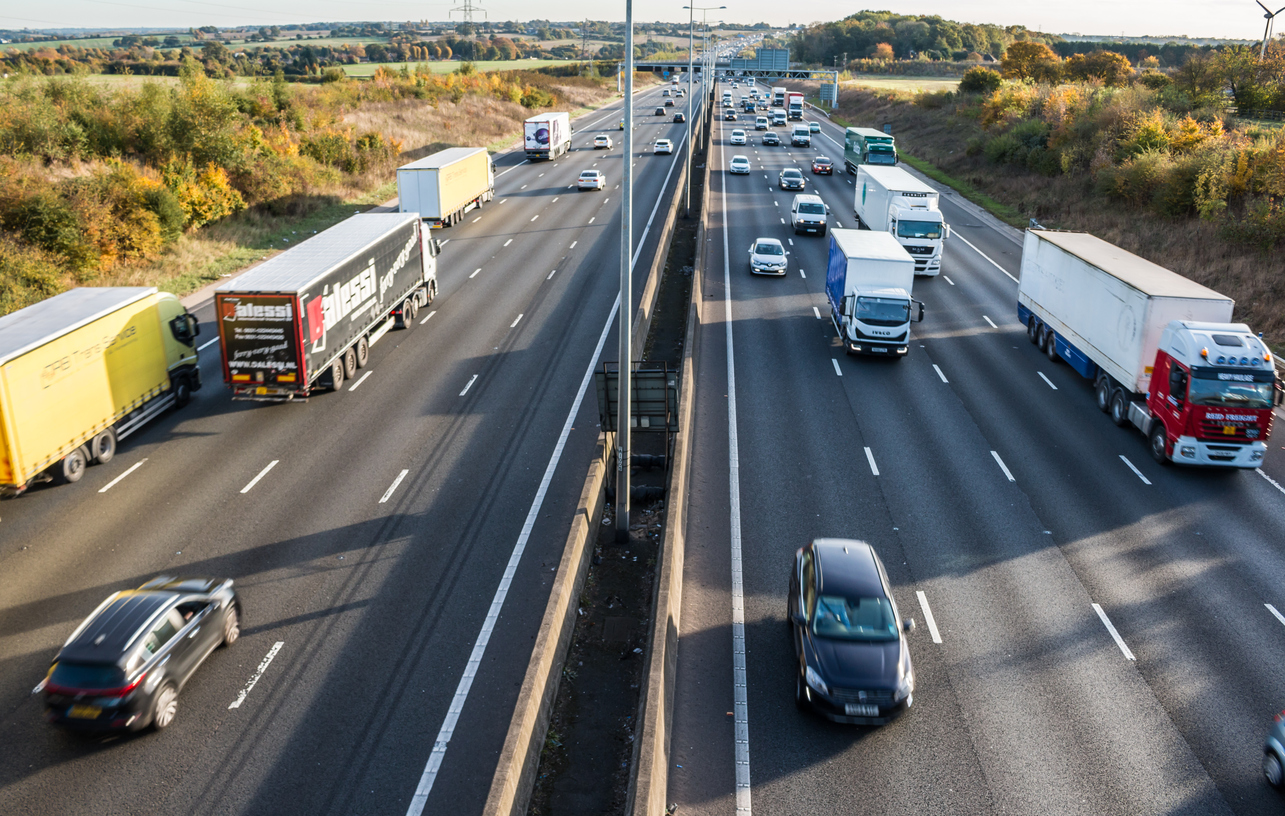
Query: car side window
809	588
163	631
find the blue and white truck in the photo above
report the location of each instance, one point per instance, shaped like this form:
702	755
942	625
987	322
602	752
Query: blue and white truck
868	280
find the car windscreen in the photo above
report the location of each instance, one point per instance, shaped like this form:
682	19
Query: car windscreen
791	174
868	619
919	229
812	208
87	675
769	249
882	311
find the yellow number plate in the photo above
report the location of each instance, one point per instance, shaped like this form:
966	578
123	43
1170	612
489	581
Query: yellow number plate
261	390
1229	430
84	712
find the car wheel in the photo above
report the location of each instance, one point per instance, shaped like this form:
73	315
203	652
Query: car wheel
350	363
1102	393
337	374
164	707
1119	408
800	693
1272	769
1157	443
103	448
231	626
363	352
73	465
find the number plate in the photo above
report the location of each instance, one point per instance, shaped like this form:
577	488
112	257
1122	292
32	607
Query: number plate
1229	430
879	350
858	710
84	712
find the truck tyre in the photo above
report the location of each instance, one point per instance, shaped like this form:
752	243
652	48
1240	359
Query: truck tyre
337	374
103	447
182	391
1102	393
432	292
73	465
1119	408
1050	345
1157	443
1033	329
350	363
411	309
363	352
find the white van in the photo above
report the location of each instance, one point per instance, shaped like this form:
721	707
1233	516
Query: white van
801	136
760	123
807	214
778	117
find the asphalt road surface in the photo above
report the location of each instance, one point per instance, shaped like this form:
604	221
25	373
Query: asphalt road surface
1003	503
368	532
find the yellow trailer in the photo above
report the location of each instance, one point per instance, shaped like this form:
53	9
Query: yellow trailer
446	185
84	369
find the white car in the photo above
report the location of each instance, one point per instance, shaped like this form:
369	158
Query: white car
591	180
767	257
602	142
663	146
738	137
740	166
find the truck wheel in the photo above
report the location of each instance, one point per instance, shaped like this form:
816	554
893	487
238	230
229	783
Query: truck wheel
1033	329
432	292
337	374
1158	443
182	391
1119	408
363	352
350	363
103	448
1102	391
73	465
1050	346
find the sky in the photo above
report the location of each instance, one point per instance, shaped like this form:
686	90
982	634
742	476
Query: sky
1240	19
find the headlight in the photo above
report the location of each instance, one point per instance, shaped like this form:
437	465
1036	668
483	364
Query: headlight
1188	450
905	686
1255	456
814	680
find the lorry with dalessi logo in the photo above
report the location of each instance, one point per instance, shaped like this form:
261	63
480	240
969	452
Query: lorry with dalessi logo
305	320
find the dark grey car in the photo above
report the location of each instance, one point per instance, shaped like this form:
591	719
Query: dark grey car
1274	754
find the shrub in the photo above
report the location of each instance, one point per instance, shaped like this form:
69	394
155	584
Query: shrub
1137	179
169	213
1154	80
980	80
28	274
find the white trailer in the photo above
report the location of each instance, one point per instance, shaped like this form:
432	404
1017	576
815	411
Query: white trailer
868	282
888	199
446	185
547	136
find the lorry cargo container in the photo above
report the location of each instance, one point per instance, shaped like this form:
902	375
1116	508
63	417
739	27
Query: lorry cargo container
444	186
547	136
305	320
1161	349
868	281
888	199
794	106
85	369
867	146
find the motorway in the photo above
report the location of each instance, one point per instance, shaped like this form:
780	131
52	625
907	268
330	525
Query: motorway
1106	632
373	534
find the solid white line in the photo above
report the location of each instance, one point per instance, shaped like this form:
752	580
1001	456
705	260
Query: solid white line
113	482
1136	472
207	344
429	776
475	271
837	370
262	473
870	457
514	167
1273	482
472	380
240	698
948	280
551	274
928	617
1003	466
514	324
988	320
984	255
430	314
816	312
939	374
381	331
389	492
506	243
446	241
1047	380
1119	641
1278	615
360	380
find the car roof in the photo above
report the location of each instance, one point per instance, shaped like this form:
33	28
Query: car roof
741	158
776	241
589	172
808	198
792	170
847	567
106	635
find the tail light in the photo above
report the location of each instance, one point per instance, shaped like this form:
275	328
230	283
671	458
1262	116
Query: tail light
123	691
1279	717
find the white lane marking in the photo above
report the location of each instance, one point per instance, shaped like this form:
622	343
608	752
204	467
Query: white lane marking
791	240
206	345
1047	380
506	243
515	323
555	199
551	274
573	245
838	223
1119	641
446	241
1135	470
740	693
837	370
1273	610
782	220
1003	466
472	380
360	380
928	616
984	255
444	734
605	200
113	482
591	220
430	314
939	374
479	218
870	457
262	473
816	312
948	280
388	494
514	167
240	698
1273	482
381	331
475	271
523	187
540	176
803	274
537	215
503	200
988	320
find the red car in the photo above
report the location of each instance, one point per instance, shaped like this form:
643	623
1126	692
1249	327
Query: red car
822	165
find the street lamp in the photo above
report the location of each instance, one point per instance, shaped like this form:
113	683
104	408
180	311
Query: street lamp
691	39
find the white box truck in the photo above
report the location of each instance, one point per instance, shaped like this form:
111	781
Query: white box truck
1161	349
444	186
888	199
868	280
547	136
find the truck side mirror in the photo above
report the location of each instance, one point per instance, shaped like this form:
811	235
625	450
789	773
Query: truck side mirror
437	247
948	230
919	317
194	325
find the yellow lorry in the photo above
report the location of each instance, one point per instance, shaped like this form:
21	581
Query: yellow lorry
84	369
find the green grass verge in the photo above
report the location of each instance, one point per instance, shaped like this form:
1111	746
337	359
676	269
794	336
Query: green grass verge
1004	212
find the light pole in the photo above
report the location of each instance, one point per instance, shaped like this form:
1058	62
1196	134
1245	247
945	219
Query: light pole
691	41
626	313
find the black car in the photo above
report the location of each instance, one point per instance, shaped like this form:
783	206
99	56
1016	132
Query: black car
679	117
770	138
790	179
123	668
730	116
660	111
853	660
669	103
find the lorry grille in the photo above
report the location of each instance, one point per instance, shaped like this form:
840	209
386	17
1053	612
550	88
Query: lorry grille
901	338
919	250
1213	431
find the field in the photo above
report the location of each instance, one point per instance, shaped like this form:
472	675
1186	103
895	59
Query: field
900	83
366	69
86	42
286	42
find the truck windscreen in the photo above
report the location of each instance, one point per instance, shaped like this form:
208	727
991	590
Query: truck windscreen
882	311
928	230
1227	393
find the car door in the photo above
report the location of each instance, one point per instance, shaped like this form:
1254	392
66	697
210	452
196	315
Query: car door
200	634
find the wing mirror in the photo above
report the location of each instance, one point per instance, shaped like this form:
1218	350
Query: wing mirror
798	619
919	317
948	230
908	625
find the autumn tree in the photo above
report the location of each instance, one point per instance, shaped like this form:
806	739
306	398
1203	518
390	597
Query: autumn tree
1029	60
1111	68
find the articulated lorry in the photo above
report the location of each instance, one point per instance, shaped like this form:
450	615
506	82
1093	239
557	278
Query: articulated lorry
1161	349
868	281
547	136
305	320
888	199
794	106
83	370
446	185
867	146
